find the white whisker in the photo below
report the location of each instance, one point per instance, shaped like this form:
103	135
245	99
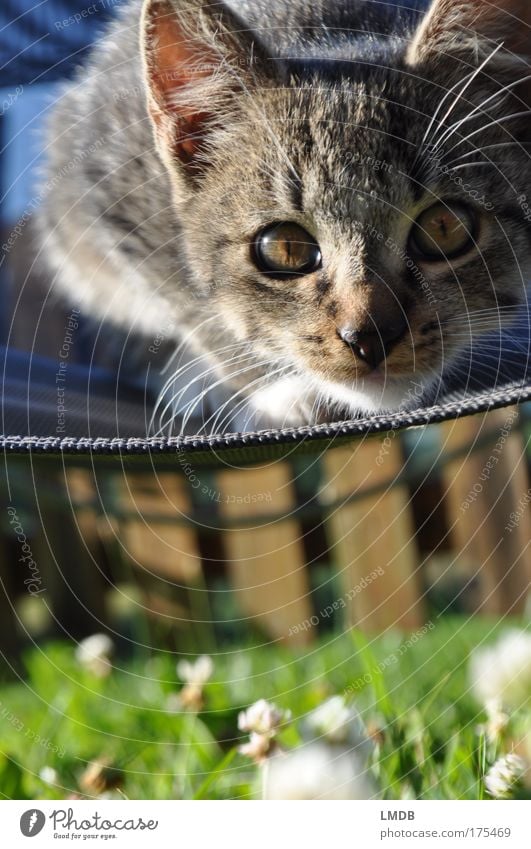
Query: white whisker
466	84
497	122
480	150
479	108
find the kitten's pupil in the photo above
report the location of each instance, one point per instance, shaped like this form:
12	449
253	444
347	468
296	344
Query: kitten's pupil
285	250
444	231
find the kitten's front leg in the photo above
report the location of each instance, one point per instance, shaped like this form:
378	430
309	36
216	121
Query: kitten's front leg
289	402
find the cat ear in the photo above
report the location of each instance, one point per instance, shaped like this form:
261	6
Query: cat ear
475	27
197	56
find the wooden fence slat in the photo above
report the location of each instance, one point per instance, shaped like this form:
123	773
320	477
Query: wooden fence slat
374	534
150	531
266	563
77	584
482	490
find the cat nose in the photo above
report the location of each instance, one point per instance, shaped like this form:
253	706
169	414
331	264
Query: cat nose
367	346
373	346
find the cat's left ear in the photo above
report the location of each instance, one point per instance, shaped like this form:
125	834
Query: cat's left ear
198	57
474	28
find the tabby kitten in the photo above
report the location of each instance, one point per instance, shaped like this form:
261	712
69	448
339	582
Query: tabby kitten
321	201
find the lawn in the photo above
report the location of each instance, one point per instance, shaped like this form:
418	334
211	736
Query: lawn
412	691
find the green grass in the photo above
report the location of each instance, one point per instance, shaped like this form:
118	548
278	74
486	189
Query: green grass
429	745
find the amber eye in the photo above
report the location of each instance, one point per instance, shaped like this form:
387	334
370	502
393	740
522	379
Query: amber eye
286	250
444	231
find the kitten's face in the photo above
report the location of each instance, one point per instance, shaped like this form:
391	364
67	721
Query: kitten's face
336	242
371	218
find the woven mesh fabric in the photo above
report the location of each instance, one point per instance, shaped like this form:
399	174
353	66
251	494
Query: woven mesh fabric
105	418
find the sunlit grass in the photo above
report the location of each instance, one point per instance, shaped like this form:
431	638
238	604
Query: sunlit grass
413	695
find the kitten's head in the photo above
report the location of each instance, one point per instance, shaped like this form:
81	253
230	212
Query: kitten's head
355	212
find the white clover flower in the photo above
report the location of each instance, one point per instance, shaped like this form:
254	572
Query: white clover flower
195	675
497	720
262	718
94	653
339	723
505	776
317	771
101	776
95	647
258	748
197	672
502	672
49	775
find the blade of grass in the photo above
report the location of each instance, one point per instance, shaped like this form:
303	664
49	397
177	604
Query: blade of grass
425	706
221	767
370	665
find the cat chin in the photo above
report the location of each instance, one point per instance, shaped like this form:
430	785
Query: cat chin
372	396
293	401
288	402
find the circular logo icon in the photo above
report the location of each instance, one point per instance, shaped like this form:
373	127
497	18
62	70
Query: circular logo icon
32	822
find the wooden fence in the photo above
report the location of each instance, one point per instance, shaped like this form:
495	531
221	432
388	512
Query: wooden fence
394	519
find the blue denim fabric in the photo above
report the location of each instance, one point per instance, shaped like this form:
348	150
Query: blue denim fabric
44	40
